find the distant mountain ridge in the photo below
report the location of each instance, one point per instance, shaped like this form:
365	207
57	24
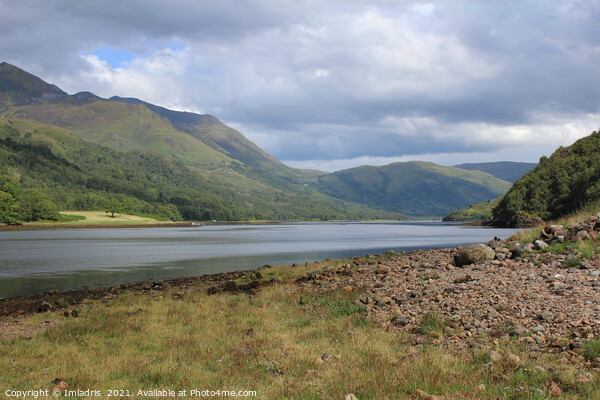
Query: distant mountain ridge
505	170
234	169
414	188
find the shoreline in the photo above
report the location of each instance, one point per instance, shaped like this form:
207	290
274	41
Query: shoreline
59	299
33	226
128	226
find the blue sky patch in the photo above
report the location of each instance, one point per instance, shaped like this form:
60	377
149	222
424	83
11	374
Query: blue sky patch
114	56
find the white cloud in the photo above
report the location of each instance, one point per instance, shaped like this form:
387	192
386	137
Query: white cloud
337	82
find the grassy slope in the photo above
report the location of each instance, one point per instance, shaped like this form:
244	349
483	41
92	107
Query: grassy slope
124	127
72	169
413	188
226	140
505	170
267	342
474	212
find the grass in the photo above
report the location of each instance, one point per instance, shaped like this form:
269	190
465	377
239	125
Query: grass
70	218
476	212
103	218
586	249
574	262
591	349
268	342
433	325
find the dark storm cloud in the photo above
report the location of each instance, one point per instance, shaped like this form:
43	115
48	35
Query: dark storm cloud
335	79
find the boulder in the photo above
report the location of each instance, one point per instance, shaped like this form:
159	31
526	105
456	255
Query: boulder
473	254
518	249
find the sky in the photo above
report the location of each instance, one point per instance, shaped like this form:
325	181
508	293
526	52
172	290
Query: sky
335	84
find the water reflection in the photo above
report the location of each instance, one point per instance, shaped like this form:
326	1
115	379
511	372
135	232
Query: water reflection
37	261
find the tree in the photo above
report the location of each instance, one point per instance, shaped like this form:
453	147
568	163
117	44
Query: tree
113	206
8	209
35	204
10	194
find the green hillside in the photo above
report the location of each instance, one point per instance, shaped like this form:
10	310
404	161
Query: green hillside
256	164
77	175
123	127
222	138
560	184
418	189
505	170
473	212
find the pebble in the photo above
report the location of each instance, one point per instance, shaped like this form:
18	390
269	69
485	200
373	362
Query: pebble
62	386
510	296
384	269
554	390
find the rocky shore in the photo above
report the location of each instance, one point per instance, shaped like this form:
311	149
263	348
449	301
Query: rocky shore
545	300
548	302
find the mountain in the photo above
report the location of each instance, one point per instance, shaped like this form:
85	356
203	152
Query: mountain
559	185
418	189
253	182
505	170
78	175
20	88
219	161
219	136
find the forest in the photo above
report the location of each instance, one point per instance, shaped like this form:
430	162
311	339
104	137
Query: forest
559	185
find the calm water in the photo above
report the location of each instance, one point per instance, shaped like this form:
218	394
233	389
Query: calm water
38	261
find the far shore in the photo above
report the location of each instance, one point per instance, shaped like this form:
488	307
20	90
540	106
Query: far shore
98	219
34	226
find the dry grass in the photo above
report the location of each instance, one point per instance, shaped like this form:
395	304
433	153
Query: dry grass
99	217
528	235
270	342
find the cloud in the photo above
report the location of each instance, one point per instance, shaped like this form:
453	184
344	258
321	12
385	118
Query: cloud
315	82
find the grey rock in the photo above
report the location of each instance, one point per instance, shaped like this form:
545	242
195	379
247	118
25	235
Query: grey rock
473	254
400	321
518	332
546	316
518	249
